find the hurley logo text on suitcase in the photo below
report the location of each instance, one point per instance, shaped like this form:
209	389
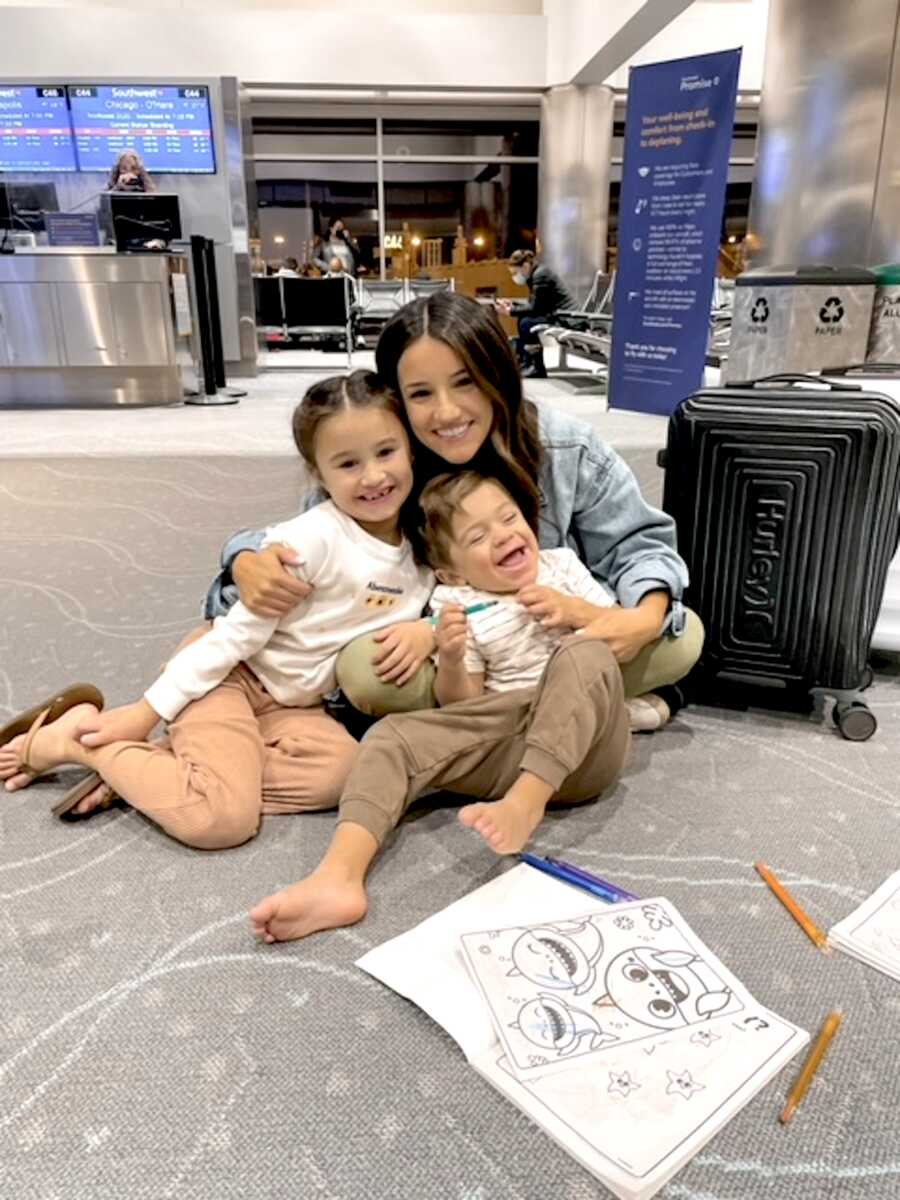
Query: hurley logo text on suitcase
764	555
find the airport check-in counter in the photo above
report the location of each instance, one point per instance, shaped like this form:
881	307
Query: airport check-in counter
88	327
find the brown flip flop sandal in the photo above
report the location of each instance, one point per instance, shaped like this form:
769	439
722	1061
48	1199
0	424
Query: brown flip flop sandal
30	721
54	707
75	795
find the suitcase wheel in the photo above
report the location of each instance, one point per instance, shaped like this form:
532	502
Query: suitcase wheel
855	720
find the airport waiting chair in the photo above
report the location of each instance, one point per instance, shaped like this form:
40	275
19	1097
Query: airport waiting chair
418	289
586	331
269	305
379	299
720	322
319	310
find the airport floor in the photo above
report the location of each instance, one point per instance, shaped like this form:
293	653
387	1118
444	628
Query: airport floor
148	1048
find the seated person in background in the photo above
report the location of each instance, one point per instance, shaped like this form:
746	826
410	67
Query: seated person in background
289	267
129	175
337	270
532	714
547	294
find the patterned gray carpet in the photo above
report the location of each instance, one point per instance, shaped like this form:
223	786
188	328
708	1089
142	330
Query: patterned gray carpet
149	1049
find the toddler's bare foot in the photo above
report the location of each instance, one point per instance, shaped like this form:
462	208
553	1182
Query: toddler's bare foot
323	900
51	746
507	824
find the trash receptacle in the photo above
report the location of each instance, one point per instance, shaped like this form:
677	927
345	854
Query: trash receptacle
789	319
884	335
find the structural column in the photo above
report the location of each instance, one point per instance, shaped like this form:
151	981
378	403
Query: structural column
574	172
827	185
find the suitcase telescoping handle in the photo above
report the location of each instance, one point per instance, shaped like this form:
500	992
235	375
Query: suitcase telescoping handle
789	379
785	380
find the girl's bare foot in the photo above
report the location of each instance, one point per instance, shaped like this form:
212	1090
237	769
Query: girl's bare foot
14	782
323	900
51	746
507	824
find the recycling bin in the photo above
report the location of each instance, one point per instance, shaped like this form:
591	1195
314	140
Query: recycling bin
790	319
884	335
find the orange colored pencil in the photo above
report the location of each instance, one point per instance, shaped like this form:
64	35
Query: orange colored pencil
829	1028
806	923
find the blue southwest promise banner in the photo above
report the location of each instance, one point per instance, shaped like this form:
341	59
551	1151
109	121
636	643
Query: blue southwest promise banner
678	130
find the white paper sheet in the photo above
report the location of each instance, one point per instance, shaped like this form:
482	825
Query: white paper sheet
632	1112
872	932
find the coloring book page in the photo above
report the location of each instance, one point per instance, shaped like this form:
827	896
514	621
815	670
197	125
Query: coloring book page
601	1108
567	992
638	1116
872	932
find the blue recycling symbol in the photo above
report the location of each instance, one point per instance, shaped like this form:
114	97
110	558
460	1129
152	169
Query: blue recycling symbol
759	313
831	311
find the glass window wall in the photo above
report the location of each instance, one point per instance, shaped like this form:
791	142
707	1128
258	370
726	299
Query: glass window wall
493	204
297	205
446	198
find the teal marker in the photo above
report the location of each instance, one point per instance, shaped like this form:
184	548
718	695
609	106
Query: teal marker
473	608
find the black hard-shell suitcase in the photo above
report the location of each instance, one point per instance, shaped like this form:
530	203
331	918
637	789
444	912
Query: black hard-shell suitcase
785	496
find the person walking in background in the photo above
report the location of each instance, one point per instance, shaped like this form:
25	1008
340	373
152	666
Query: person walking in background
338	243
547	294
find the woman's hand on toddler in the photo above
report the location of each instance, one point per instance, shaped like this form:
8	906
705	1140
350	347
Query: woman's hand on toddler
404	648
451	634
551	608
264	582
130	723
625	630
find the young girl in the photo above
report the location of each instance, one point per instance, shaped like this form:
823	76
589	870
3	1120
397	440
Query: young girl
247	730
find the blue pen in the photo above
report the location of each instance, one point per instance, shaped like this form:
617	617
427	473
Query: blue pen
473	608
589	878
557	872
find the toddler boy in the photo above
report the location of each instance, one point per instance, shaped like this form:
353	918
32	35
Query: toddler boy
529	714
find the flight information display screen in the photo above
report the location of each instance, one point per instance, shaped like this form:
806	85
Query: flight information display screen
169	127
35	133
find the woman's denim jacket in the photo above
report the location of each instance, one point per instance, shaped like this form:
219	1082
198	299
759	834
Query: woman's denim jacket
590	501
